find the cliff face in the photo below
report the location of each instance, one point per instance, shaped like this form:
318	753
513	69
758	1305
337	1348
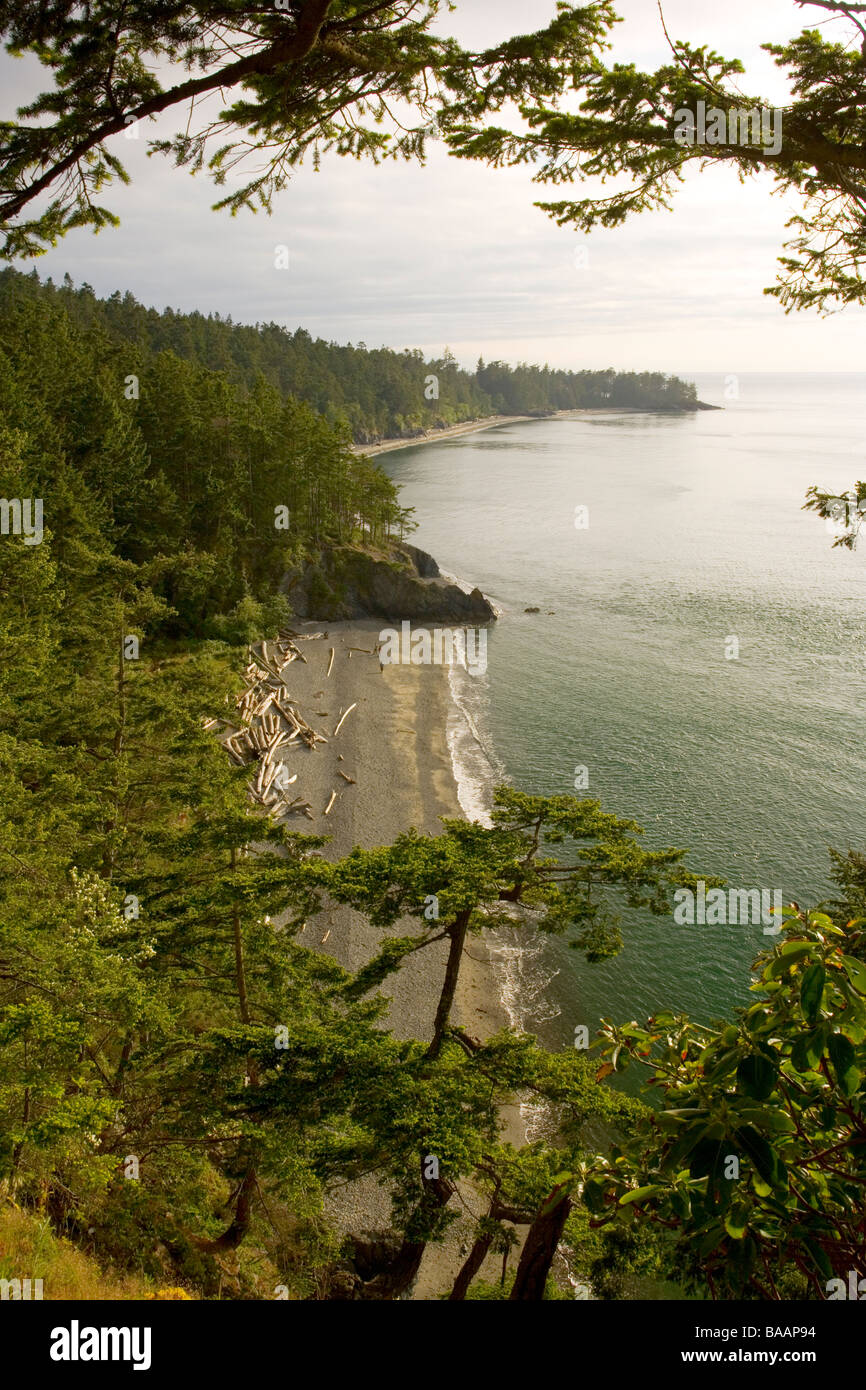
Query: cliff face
404	583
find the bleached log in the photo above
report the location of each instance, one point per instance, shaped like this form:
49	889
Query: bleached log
344	717
330	803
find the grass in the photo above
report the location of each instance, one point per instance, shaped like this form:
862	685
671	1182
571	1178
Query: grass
30	1249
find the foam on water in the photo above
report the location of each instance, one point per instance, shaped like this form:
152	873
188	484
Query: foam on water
521	974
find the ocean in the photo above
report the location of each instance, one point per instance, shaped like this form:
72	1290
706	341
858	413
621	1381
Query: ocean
695	536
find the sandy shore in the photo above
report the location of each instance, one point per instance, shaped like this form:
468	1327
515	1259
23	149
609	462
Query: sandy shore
489	422
394	744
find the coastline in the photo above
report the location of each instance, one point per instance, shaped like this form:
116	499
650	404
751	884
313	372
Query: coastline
395	746
490	422
487	422
398	744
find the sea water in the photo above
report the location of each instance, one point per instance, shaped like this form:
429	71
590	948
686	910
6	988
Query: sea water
700	651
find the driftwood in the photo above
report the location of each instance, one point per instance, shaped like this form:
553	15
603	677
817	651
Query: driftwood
345	776
268	722
330	663
343	718
299	724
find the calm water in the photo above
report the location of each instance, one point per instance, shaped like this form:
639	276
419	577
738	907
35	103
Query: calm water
695	534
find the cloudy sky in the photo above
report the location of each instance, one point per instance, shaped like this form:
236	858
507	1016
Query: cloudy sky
455	254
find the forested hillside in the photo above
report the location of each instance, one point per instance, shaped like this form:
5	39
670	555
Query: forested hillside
378	393
144	1110
213	486
182	1083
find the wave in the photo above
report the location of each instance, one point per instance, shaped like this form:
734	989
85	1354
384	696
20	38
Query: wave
522	976
477	769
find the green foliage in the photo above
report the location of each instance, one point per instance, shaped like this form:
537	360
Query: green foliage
310	77
503	877
482	1291
165	465
155	1003
624	126
156	1011
846	511
757	1154
374	393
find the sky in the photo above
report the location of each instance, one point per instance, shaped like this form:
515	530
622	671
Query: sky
455	254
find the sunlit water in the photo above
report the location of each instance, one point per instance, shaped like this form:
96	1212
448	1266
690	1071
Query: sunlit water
695	535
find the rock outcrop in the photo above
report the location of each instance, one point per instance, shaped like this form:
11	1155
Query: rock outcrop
403	583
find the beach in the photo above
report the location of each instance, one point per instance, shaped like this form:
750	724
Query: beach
489	422
394	746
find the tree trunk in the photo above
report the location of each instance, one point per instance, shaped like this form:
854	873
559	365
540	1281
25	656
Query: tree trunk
398	1276
477	1256
457	932
25	1119
240	1224
540	1246
498	1211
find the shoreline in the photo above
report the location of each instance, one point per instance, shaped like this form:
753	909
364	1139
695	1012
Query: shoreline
490	422
397	746
487	422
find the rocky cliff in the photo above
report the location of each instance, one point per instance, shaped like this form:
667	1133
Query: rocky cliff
404	582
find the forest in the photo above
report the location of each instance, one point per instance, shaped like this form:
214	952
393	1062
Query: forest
376	393
146	1114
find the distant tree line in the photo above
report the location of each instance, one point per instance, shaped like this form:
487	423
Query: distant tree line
377	393
156	454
